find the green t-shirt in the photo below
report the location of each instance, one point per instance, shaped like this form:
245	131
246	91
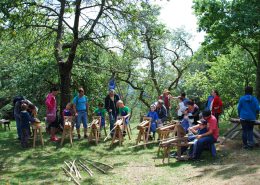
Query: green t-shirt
125	110
98	111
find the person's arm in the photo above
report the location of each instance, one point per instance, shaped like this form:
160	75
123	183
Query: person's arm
74	106
205	134
239	107
193	129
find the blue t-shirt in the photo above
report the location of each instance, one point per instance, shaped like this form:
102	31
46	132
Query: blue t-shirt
153	115
80	103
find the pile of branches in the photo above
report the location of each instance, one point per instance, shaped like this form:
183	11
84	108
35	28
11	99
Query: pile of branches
73	168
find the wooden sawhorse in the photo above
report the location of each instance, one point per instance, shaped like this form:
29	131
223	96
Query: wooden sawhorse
144	130
37	130
67	130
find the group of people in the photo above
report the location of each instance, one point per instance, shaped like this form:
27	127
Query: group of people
79	108
202	128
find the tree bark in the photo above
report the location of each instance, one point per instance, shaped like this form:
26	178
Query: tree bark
257	90
65	82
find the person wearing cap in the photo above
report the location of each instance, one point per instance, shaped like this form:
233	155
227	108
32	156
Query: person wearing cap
51	113
248	108
166	97
162	112
196	130
208	138
110	105
80	107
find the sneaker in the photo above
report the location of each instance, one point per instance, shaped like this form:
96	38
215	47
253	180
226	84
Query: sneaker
54	138
79	136
173	154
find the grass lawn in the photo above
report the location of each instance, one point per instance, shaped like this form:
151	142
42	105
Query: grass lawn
233	165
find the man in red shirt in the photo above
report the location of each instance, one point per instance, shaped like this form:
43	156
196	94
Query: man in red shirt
210	137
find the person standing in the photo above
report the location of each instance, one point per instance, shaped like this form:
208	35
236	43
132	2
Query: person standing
216	105
110	105
162	113
248	108
80	106
51	112
166	97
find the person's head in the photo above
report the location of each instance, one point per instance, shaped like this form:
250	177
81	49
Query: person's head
81	91
100	105
55	91
31	107
249	90
190	104
111	92
183	95
160	103
24	107
120	104
166	92
68	106
206	114
153	107
215	93
180	98
202	123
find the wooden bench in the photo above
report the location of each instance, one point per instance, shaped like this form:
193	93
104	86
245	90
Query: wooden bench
6	123
179	140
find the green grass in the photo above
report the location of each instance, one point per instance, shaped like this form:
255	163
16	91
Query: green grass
42	165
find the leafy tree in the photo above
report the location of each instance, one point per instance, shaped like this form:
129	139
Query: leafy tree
228	23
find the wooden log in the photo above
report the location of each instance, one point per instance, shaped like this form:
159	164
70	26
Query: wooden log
83	167
101	163
103	171
87	167
73	178
110	133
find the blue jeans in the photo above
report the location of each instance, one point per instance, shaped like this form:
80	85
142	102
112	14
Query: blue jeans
112	119
18	126
248	134
82	117
200	145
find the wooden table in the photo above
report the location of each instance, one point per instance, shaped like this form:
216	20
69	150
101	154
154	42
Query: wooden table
6	123
236	129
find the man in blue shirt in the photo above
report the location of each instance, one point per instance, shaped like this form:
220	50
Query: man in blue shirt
80	103
248	108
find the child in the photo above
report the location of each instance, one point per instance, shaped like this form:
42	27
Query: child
68	110
153	114
124	111
25	125
198	130
101	111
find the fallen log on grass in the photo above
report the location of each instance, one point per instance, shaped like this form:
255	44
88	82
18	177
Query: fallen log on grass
83	166
101	163
100	169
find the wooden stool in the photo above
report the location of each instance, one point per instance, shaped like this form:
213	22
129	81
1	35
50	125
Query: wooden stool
67	130
37	129
6	123
144	130
95	129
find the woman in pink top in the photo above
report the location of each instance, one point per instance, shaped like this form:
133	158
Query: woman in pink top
51	112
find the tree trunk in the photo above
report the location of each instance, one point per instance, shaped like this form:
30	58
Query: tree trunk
257	90
65	80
